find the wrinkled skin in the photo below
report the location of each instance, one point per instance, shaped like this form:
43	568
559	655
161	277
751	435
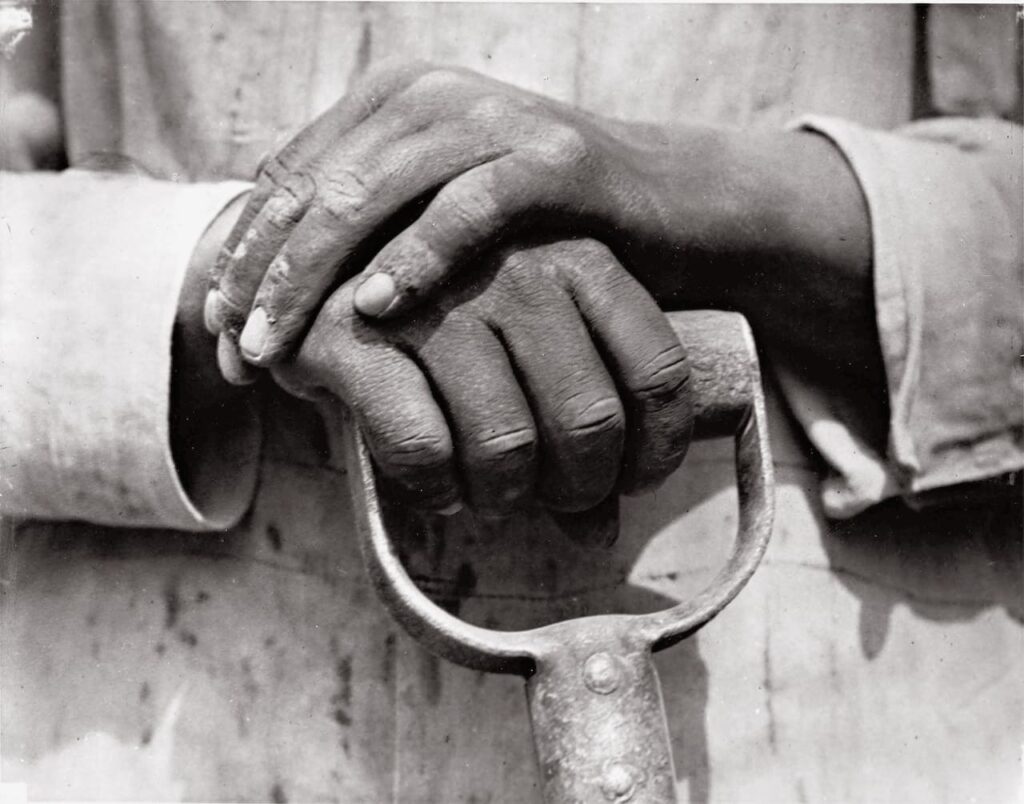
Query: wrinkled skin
546	373
409	180
472	159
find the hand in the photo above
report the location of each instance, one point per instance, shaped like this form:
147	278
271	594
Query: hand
547	373
461	159
418	169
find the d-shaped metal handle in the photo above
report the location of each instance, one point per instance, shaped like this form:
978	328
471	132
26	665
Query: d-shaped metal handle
595	704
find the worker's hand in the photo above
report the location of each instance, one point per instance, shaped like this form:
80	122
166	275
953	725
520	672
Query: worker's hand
547	372
418	169
406	178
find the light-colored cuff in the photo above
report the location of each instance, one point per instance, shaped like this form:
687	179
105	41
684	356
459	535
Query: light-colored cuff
91	269
945	206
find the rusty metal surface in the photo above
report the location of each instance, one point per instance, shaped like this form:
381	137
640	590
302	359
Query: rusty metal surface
595	704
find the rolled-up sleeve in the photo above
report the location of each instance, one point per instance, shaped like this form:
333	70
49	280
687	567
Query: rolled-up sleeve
91	269
945	202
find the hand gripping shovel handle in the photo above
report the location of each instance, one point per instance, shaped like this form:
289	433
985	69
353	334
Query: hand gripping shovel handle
595	703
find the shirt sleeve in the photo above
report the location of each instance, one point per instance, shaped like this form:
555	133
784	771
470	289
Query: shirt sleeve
945	202
91	268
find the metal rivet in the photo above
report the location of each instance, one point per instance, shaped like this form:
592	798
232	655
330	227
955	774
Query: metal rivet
601	673
619	781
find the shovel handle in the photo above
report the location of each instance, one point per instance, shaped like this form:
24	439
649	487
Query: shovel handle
595	703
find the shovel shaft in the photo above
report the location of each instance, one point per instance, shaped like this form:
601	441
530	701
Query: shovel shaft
598	720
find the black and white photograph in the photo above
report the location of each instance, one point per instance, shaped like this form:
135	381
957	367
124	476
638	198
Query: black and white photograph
528	402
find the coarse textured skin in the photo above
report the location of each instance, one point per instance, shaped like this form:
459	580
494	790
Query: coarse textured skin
779	700
419	172
419	169
549	367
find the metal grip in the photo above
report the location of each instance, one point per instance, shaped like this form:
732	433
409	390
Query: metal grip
723	369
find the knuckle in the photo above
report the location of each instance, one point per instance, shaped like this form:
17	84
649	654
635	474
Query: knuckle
591	250
289	202
666	375
517	445
274	169
410	453
471	207
586	259
517	266
494	107
520	292
563	145
434	79
586	417
343	195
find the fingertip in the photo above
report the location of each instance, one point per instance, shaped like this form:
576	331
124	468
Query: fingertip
211	312
376	295
232	367
255	333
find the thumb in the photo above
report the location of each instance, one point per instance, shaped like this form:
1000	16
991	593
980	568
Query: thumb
375	295
466	216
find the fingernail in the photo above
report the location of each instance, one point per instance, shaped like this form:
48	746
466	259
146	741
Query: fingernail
210	312
253	339
231	366
375	295
451	510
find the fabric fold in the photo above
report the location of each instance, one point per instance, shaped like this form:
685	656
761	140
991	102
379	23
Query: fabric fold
91	269
949	295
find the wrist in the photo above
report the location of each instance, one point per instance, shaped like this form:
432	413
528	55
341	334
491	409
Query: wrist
699	210
736	207
805	203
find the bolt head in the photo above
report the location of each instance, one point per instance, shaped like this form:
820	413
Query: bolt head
602	673
619	782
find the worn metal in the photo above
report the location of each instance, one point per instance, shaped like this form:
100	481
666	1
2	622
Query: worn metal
596	709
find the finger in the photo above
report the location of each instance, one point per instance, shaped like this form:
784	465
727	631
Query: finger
468	213
535	183
229	304
275	173
370	183
644	356
575	405
490	420
391	401
232	367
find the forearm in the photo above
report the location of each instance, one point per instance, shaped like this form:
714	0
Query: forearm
772	224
